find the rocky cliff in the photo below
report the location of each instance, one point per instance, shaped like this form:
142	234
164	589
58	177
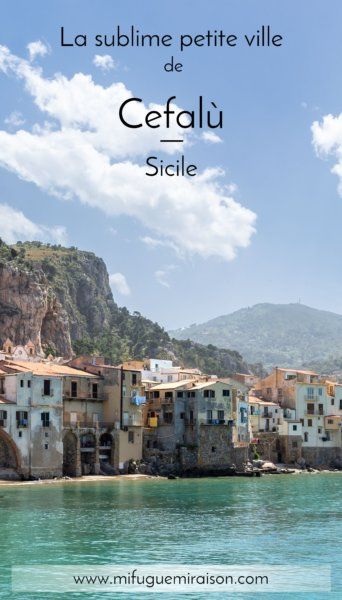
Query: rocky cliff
60	298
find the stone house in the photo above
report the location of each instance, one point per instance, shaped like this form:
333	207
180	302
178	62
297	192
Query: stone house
31	422
123	406
316	408
192	422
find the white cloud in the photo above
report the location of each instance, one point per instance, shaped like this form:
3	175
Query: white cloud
15	119
113	231
37	49
83	151
104	62
14	227
211	137
327	141
162	275
119	282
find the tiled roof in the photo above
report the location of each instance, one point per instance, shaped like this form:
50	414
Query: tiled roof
171	385
4	401
42	368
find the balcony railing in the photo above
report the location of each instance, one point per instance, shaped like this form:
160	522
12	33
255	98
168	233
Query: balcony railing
68	396
213	422
88	424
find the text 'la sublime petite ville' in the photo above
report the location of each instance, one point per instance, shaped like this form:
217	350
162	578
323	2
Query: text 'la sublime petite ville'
204	115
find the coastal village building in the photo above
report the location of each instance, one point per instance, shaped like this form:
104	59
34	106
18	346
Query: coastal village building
31	422
316	410
192	422
164	371
276	433
123	406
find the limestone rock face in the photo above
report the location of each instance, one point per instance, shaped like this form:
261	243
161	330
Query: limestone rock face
52	296
60	299
30	310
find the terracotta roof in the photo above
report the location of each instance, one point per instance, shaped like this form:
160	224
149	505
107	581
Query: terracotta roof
171	385
255	400
4	401
296	371
48	369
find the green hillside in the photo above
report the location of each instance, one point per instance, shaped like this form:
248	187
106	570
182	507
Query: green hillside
274	334
61	297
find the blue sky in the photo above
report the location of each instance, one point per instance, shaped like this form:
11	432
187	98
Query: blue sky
270	99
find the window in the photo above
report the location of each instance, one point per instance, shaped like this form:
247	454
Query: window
191	394
320	430
182	415
209	393
213	448
168	395
73	418
2	386
310	392
3	418
21	383
340	404
226	393
131	437
21	418
29	383
20	434
95	390
268	391
209	416
294	444
309	422
191	416
330	421
294	427
220	415
47	387
320	391
179	394
332	401
45	418
168	417
155	394
46	446
46	434
320	409
134	379
74	389
280	392
302	422
310	409
306	436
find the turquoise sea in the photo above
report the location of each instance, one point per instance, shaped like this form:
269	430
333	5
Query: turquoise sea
273	520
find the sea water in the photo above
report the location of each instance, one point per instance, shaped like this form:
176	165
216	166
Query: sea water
290	519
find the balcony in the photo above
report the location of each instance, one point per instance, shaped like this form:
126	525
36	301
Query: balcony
92	398
87	424
214	422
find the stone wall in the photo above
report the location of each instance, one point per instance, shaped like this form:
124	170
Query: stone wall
322	457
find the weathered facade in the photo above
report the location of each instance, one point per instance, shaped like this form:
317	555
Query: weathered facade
314	405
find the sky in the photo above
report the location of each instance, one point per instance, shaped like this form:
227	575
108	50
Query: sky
261	222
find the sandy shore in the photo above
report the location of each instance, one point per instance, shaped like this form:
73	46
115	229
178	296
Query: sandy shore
92	478
84	479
